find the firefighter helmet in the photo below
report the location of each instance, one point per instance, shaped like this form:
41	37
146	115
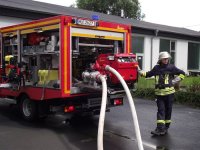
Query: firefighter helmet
163	55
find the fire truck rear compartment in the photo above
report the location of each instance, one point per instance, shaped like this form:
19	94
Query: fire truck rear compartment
43	62
86	50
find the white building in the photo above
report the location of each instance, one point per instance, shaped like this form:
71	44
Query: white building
182	44
148	39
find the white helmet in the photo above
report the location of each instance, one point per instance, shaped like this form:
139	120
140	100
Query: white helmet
163	55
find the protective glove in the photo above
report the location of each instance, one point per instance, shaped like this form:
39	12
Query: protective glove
140	72
138	67
176	80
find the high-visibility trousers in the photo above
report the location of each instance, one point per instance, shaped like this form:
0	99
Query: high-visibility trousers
164	104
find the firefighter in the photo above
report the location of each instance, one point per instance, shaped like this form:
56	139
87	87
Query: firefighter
166	76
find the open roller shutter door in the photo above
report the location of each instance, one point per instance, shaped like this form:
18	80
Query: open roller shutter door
97	34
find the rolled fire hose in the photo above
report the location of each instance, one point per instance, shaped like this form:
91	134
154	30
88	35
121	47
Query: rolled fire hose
132	106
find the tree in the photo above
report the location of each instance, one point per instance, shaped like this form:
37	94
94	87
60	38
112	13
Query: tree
130	8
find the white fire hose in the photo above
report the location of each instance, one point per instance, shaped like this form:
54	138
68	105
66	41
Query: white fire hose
97	76
102	113
87	76
132	106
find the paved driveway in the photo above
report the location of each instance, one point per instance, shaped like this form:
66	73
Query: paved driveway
56	134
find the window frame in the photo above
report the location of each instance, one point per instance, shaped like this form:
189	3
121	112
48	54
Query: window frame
192	42
170	46
140	36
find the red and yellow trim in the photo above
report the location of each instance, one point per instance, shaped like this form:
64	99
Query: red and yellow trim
101	28
44	28
128	41
65	58
30	25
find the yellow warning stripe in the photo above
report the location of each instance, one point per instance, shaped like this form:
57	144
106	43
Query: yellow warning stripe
182	76
161	121
66	91
100	28
51	27
128	43
42	23
10	34
97	36
168	121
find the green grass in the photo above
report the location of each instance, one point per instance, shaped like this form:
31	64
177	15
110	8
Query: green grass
188	81
146	83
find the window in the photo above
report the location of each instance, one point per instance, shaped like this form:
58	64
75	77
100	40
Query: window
193	56
172	52
170	47
137	44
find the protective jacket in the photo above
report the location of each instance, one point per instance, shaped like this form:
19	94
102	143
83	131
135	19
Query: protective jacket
164	74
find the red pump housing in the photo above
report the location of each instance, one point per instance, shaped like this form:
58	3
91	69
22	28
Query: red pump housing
125	64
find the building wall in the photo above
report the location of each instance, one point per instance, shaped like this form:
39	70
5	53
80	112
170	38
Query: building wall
7	21
181	58
147	53
156	50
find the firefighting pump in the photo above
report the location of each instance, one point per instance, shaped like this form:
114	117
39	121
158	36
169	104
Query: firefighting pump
112	68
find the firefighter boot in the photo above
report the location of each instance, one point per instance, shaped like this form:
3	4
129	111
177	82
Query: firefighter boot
159	131
167	127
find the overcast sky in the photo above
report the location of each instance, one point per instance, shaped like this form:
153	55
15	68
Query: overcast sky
179	13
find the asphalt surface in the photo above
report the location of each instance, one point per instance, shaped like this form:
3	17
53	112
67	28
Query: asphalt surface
81	134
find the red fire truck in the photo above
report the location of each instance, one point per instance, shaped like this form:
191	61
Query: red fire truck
42	64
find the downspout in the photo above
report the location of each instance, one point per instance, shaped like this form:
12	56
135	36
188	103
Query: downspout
155	35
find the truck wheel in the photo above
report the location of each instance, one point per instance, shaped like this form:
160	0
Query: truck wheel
28	109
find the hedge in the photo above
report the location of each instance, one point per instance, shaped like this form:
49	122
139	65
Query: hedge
189	98
144	93
181	97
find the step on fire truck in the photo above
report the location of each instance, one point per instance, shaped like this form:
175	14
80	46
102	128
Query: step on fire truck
43	61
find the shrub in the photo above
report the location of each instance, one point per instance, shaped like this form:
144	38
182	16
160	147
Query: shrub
144	93
181	97
189	98
194	86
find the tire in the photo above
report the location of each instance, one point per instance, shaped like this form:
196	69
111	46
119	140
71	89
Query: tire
28	109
